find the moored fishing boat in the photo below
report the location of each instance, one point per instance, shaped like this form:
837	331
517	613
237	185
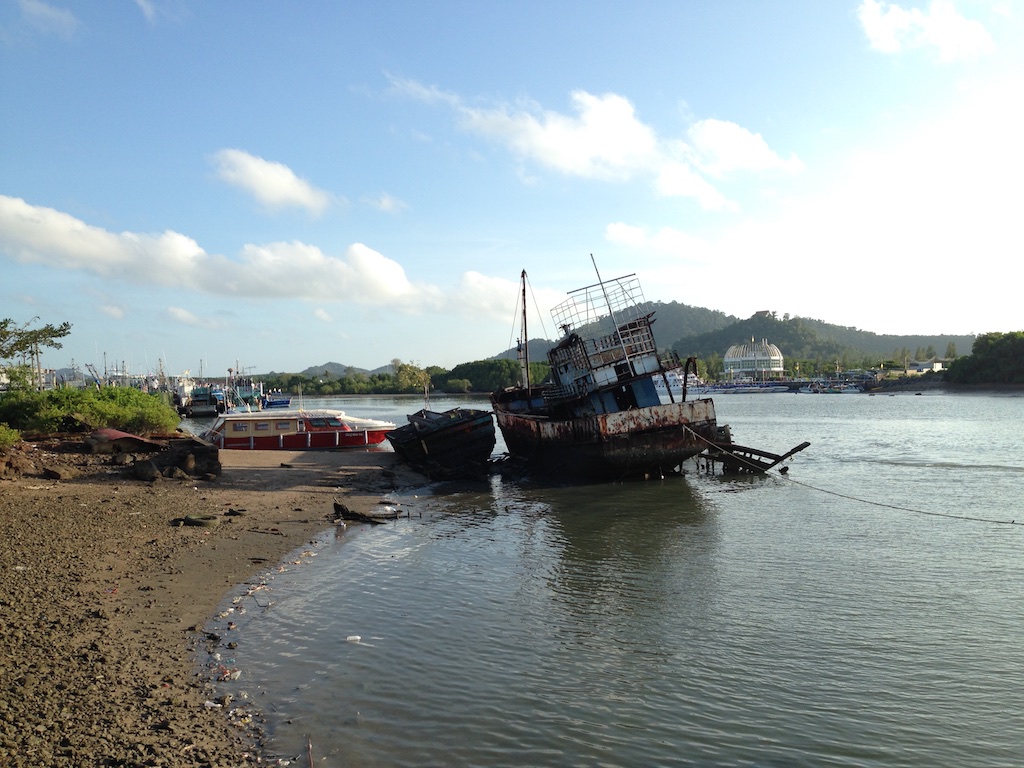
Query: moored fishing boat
455	443
295	430
601	416
277	400
246	393
203	402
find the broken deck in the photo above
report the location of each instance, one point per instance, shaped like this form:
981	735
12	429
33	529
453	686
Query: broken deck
740	458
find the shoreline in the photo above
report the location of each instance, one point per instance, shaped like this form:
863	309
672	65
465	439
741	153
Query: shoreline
104	599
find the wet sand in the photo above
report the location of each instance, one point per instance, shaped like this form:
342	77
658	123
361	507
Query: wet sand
103	597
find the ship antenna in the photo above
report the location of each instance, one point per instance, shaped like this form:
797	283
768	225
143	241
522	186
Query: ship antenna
611	311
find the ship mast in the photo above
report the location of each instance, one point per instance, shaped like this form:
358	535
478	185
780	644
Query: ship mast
524	348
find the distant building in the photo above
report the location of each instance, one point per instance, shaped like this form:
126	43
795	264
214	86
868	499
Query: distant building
756	360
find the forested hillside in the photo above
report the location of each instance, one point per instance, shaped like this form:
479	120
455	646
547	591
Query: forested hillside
706	333
802	338
676	321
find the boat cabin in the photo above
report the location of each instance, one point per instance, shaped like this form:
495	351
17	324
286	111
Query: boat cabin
295	430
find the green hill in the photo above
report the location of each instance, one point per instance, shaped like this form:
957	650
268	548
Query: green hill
705	333
337	370
802	338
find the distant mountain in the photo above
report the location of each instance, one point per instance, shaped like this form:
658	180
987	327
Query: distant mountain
537	348
337	370
807	339
704	332
674	321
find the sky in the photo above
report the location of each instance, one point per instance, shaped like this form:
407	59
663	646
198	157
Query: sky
271	186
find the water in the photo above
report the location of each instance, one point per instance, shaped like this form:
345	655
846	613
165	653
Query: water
837	617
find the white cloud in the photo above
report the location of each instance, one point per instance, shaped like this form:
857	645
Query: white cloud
678	179
185	317
38	235
148	10
480	296
273	184
603	138
34	234
621	233
386	203
111	310
321	314
665	241
46	18
892	29
916	235
428	94
205	322
723	147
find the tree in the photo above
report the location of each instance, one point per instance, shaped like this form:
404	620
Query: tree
996	358
713	366
408	377
23	340
951	351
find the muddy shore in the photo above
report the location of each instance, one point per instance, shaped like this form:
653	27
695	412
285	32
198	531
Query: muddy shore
104	594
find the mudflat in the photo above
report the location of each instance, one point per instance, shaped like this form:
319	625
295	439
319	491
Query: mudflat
104	592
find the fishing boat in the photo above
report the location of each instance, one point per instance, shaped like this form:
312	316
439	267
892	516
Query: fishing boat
295	430
453	443
600	417
246	393
818	388
204	402
679	383
277	400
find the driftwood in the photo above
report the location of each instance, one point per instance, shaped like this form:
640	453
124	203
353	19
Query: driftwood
376	517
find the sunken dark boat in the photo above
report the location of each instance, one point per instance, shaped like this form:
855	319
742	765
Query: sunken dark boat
449	444
601	417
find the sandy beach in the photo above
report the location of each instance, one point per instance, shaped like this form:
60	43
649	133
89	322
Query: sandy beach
104	594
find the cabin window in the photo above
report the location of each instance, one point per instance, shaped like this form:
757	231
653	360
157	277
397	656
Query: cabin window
318	422
262	426
282	426
239	426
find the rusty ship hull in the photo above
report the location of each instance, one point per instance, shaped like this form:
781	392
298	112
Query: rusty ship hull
638	443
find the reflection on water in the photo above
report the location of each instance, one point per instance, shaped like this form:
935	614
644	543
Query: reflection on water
690	621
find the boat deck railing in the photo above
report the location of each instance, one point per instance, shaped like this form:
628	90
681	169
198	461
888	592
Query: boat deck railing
620	297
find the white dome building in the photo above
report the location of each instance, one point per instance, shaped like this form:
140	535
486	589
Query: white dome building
757	360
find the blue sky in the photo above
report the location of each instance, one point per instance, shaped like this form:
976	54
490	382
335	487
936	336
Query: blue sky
276	185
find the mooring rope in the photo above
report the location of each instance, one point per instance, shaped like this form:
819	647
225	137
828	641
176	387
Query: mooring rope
784	474
967	518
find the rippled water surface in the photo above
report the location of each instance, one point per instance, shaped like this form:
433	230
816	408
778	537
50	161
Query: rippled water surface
841	615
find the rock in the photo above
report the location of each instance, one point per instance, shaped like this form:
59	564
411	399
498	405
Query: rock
15	464
60	473
188	463
145	470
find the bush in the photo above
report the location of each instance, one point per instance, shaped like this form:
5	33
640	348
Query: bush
68	410
8	437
